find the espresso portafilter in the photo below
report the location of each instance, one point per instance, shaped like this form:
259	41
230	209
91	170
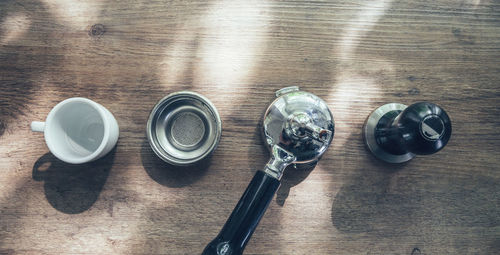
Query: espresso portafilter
297	128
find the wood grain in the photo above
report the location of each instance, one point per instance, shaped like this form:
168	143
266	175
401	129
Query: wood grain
356	55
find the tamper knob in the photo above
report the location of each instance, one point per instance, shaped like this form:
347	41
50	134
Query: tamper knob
395	133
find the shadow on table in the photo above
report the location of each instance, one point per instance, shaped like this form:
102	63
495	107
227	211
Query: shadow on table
69	188
387	200
170	175
21	65
365	202
292	177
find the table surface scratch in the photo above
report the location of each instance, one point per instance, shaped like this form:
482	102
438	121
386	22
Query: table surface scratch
356	55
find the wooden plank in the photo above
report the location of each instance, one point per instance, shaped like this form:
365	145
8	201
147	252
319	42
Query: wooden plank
356	55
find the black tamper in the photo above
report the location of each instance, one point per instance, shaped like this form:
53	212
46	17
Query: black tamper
396	133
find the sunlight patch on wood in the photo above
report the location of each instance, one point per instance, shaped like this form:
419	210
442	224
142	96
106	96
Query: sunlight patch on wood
13	27
356	86
235	37
77	14
220	49
360	25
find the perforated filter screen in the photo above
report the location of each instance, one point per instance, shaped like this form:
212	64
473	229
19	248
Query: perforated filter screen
183	128
187	129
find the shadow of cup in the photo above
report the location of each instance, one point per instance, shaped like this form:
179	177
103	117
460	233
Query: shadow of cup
69	188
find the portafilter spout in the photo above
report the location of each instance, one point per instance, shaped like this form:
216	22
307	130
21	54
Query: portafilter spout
297	127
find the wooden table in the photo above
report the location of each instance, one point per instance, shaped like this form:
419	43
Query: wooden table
356	55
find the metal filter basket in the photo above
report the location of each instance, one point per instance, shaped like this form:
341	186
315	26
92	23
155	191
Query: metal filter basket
184	128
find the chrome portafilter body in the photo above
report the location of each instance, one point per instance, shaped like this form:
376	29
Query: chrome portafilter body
297	128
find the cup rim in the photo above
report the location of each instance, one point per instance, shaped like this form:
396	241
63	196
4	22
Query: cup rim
105	137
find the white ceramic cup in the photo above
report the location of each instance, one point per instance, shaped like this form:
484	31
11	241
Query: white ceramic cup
79	130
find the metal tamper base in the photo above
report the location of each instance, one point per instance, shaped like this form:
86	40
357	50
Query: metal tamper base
369	128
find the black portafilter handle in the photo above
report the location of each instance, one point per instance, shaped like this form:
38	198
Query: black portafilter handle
245	217
422	128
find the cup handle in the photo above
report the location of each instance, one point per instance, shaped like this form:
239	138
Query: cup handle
37	126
